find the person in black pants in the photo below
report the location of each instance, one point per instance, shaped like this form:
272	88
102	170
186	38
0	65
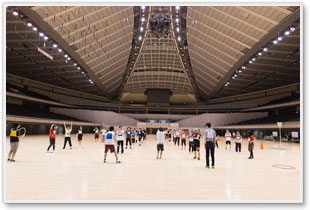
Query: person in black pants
128	137
67	135
238	142
52	137
210	138
177	138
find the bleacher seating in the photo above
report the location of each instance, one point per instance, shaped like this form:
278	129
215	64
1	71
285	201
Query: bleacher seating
13	88
34	112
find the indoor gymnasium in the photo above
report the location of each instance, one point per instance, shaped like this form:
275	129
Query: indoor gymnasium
153	103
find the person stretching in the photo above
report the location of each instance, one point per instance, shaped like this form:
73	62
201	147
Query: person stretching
160	137
52	137
67	135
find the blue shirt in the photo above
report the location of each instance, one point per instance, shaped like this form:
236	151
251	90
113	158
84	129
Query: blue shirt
210	135
128	133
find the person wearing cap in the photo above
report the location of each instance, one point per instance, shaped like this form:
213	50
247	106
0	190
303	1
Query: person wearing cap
210	139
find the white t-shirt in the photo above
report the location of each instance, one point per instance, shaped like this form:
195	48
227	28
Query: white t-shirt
228	135
103	131
238	138
160	137
109	140
177	134
120	135
68	132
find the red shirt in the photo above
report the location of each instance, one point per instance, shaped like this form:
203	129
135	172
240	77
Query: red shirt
251	138
52	134
183	136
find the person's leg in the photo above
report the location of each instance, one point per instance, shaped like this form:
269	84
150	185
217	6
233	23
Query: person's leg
48	148
54	144
65	143
122	146
69	139
240	147
226	145
14	150
118	145
161	153
198	150
212	154
207	155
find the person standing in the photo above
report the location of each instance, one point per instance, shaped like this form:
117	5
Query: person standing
103	132
177	137
80	136
133	136
190	142
160	137
120	140
183	140
96	135
14	141
238	142
210	139
67	135
109	144
228	140
169	134
196	148
128	137
52	137
251	140
139	134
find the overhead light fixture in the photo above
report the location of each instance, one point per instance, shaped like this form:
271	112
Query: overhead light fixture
292	28
143	7
240	71
177	20
141	29
253	59
265	49
34	28
287	33
45	38
29	24
83	72
15	13
140	38
41	34
55	45
179	38
74	64
142	19
178	29
243	67
275	41
250	62
260	53
78	68
66	56
69	58
177	7
59	50
280	38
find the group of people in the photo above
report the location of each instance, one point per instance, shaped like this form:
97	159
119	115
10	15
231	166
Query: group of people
114	140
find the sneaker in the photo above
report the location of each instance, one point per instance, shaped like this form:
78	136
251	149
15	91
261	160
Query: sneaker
63	148
9	159
125	147
194	157
207	166
118	161
130	147
53	151
156	157
213	166
47	151
198	158
104	161
13	160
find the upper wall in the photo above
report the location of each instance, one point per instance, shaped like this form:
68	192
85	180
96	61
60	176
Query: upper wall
105	117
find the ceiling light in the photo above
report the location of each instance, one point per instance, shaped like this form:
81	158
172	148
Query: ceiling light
41	34
141	28
83	72
78	68
29	24
253	59
280	38
69	58
240	71
292	28
66	56
45	38
250	62
179	38
74	64
177	20
140	38
243	67
142	19
178	29
54	45
227	83
275	41
177	7
287	33
260	53
142	7
59	50
265	49
15	13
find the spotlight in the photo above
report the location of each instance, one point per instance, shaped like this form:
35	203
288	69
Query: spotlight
292	28
178	29
240	71
69	58
83	72
236	75
177	20
45	38
250	62
260	53
59	50
265	49
78	68
66	56
287	33
140	38
54	45
89	80
179	38
41	34
141	29
74	64
34	28
227	83
29	24
177	7
143	7
253	59
15	13
280	38
243	67
142	19
275	41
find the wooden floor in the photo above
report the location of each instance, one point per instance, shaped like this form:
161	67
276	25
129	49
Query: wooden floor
79	174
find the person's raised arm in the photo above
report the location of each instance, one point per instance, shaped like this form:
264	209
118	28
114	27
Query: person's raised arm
65	125
71	125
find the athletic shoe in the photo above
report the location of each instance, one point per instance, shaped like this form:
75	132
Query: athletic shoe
13	160
156	157
213	166
194	157
63	148
207	166
130	147
9	159
198	158
125	147
118	161
104	161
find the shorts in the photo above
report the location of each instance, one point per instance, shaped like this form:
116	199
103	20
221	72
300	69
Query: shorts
133	140
14	147
183	142
196	145
160	147
96	135
228	142
80	136
109	147
169	135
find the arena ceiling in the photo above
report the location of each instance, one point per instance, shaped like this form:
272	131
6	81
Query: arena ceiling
101	52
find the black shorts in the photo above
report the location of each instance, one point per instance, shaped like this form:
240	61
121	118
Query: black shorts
228	142
80	136
160	147
196	145
96	135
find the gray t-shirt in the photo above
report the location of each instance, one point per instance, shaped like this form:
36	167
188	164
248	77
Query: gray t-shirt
210	135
